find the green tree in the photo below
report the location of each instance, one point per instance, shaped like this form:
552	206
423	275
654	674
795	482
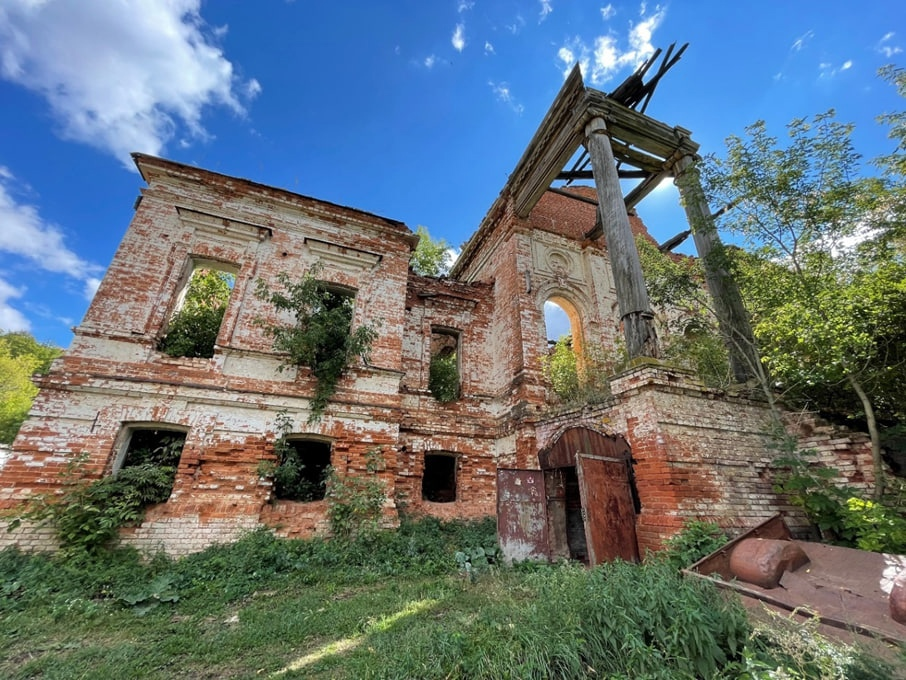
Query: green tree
691	337
429	257
824	286
193	329
20	357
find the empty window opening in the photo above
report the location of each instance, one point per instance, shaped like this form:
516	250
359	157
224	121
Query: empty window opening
556	322
443	373
193	327
302	468
150	460
439	478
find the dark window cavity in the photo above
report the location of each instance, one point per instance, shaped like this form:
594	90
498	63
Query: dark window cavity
439	478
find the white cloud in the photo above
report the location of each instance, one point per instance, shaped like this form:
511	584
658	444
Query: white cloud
546	8
601	63
607	12
11	319
252	88
121	76
887	49
28	236
488	48
503	94
464	6
801	41
828	70
459	37
517	25
430	61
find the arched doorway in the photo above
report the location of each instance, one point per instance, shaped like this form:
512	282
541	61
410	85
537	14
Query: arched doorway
580	505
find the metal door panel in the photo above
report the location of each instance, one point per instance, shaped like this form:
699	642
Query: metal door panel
609	509
521	515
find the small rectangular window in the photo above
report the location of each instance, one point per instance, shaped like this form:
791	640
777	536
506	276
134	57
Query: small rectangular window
302	467
443	372
150	460
439	478
193	327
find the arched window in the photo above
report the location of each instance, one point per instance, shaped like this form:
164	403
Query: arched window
562	320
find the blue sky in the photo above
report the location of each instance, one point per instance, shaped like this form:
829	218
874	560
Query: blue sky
414	110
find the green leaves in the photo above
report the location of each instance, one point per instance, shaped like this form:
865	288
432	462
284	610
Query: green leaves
320	336
429	257
193	330
20	357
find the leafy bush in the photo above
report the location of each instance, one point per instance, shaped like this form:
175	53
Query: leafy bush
193	329
291	482
780	647
696	540
355	503
321	337
88	514
578	379
443	377
838	511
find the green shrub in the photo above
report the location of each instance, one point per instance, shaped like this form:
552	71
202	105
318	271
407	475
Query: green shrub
193	329
291	482
320	337
355	503
841	515
88	514
576	379
443	377
696	540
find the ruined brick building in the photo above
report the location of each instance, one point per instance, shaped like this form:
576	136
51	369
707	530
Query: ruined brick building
595	481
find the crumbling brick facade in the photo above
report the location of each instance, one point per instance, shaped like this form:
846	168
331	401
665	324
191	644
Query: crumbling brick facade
698	453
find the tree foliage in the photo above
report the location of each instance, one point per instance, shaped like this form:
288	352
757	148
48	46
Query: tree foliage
578	377
21	356
443	377
193	329
823	278
689	331
320	335
430	257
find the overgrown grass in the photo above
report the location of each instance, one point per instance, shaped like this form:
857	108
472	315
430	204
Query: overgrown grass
387	605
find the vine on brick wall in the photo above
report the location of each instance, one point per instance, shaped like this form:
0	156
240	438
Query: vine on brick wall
321	337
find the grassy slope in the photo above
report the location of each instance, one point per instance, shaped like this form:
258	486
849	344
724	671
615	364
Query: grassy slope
388	606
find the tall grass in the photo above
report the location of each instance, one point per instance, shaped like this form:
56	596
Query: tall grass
387	605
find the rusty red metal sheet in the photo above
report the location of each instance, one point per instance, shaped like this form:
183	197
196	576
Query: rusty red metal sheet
521	515
844	588
608	508
562	453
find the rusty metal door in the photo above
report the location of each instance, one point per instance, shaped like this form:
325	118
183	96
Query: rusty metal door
521	515
608	507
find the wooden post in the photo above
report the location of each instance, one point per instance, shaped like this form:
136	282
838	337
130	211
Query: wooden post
632	296
732	316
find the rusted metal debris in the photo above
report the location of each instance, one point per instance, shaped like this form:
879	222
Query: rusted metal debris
843	588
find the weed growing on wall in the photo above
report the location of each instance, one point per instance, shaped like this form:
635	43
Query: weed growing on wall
443	377
838	511
291	479
355	503
696	540
86	514
321	336
577	379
